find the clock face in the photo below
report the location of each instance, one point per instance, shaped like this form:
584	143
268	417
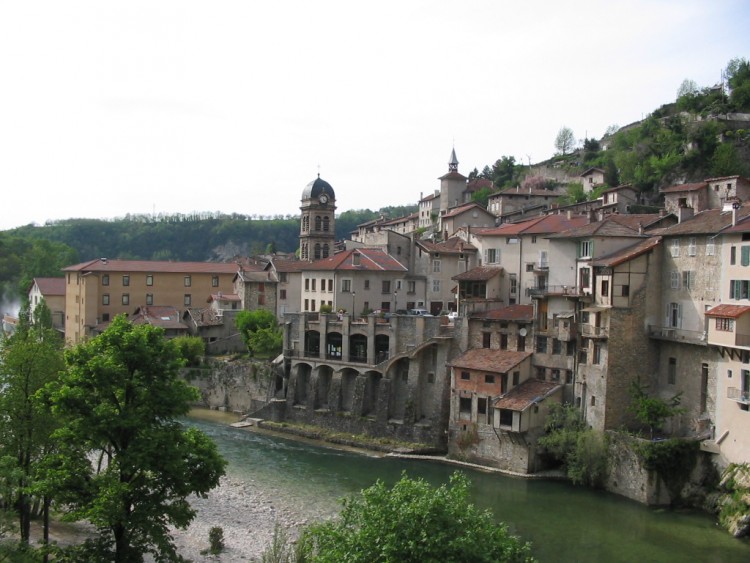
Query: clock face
323	199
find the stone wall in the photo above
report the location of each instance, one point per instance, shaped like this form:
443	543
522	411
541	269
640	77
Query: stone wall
239	386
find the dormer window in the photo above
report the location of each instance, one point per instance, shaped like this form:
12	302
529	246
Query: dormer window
355	259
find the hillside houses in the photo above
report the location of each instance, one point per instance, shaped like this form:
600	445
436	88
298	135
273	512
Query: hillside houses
574	305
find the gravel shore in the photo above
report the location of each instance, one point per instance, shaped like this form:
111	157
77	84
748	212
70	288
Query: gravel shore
248	516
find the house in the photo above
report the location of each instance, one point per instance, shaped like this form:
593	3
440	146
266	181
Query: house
468	215
497	411
429	210
253	289
97	290
479	289
52	291
436	264
531	200
167	318
591	179
619	199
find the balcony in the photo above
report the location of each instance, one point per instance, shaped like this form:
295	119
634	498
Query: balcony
590	331
556	290
737	394
677	334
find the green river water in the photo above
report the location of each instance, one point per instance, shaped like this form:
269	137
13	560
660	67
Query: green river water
563	522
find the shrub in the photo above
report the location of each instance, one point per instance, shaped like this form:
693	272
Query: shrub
216	540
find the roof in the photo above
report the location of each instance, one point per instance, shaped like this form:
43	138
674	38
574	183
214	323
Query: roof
205	316
106	265
509	313
264	276
50	286
452	176
316	188
430	197
615	225
543	225
490	360
590	170
227	297
454	245
736	177
526	394
458	210
164	316
708	222
288	266
538	192
480	273
684	188
370	259
728	311
619	188
626	254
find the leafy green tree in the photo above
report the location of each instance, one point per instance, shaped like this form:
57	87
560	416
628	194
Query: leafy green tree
565	141
261	332
412	522
652	411
117	401
482	196
687	87
29	359
191	348
738	80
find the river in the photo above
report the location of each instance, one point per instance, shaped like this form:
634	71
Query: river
564	523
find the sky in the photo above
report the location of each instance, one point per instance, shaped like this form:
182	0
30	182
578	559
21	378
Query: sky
141	107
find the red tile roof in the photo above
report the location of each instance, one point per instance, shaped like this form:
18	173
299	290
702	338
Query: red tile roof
490	360
370	259
458	210
709	222
625	254
454	245
615	225
163	316
684	188
509	313
106	265
50	286
528	393
480	273
728	311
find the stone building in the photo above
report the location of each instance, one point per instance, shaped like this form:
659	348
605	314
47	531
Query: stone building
436	264
317	221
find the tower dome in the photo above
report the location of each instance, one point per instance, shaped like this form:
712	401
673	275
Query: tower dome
316	188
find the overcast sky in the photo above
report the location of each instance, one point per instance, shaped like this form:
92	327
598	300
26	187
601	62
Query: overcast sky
109	108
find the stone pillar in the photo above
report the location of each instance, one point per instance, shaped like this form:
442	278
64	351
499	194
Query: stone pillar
334	392
346	330
381	404
312	390
323	327
371	323
359	395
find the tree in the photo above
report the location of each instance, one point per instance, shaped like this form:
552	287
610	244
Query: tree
117	401
191	348
413	522
504	172
565	140
688	87
260	331
29	359
652	411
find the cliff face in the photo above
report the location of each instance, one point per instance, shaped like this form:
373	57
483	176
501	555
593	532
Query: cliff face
734	502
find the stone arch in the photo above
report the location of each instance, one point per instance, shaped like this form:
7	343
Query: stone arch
371	393
334	346
382	347
322	387
399	395
312	343
317	223
302	384
348	389
326	224
358	348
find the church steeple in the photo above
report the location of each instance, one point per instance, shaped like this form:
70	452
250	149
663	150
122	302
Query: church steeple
453	164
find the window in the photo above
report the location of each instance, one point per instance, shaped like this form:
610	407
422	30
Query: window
105	279
530	267
367	284
312	304
688	279
674	249
318	222
282	294
346	286
585	275
541	344
307	304
411	287
125	281
745	256
504	383
568	376
464	407
214	281
261	287
733	255
710	247
126	299
482	410
725	325
738	289
386	286
436	286
313	284
326	251
674	315
492	255
674	279
570	348
355	259
326	224
316	251
513	280
188	281
516	377
672	371
506	417
555	375
692	246
187	300
307	284
503	341
597	353
486	339
511	240
625	290
704	388
436	266
585	248
105	299
489	378
105	317
605	288
556	346
465	376
282	277
149	299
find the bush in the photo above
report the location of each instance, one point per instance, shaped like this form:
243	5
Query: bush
412	522
191	348
216	540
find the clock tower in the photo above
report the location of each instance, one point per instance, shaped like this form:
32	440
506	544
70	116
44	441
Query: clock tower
317	221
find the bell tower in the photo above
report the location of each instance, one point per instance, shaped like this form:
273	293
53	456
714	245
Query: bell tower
317	230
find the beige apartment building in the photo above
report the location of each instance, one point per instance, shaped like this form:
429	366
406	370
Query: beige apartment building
98	290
